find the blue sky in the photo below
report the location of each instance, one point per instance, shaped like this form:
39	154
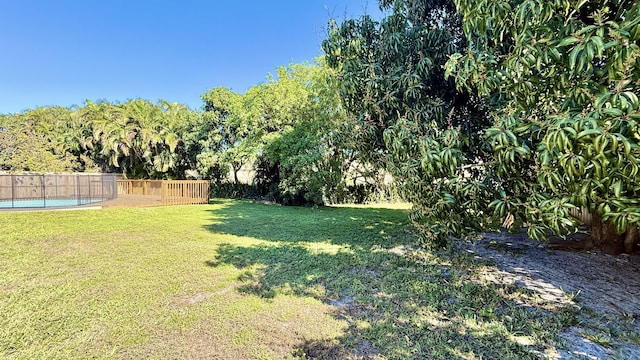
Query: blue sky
64	52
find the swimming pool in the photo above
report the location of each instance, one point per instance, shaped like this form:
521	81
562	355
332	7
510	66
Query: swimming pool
40	203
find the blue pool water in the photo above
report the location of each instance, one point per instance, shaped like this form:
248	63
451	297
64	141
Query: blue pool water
48	203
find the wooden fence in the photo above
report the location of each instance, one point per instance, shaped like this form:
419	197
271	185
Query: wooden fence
185	192
140	187
171	192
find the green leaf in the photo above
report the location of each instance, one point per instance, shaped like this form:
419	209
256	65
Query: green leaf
598	45
612	111
602	99
633	98
573	57
588	132
617	188
568	41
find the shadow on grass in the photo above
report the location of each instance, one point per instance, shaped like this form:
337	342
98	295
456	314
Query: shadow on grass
361	227
398	303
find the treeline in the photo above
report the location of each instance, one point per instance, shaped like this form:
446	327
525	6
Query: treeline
138	138
292	130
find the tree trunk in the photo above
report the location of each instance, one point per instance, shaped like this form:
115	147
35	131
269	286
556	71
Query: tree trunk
604	237
630	239
235	173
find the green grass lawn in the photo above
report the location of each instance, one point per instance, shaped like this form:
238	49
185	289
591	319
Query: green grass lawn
236	279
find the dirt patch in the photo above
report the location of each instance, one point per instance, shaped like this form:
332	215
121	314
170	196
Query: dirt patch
341	302
605	287
193	299
365	350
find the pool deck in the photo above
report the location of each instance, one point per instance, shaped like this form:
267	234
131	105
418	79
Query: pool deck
131	201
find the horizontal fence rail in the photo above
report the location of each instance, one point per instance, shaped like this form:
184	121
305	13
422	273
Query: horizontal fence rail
52	190
140	187
171	192
185	192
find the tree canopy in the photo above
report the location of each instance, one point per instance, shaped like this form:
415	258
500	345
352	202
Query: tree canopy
410	116
562	78
501	112
292	127
26	142
138	138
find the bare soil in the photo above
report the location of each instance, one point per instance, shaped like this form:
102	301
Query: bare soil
605	288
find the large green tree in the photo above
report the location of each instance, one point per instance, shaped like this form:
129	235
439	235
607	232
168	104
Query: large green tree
410	117
139	138
311	150
563	79
291	127
226	129
24	147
